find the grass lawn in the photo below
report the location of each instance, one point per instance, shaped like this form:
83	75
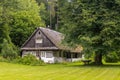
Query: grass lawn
71	71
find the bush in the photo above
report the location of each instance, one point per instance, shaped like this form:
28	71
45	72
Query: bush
8	50
26	60
118	54
111	57
3	59
29	60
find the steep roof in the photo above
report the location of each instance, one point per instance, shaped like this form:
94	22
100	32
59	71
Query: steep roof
55	37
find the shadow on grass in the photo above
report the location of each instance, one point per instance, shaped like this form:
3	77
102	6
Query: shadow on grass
107	65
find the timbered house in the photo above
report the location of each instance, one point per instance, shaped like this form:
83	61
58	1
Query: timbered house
45	44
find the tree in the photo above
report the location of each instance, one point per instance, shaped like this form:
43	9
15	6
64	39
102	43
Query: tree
25	18
18	19
4	22
49	15
92	23
8	50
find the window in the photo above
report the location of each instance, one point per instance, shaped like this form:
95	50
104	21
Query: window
60	54
43	53
39	40
64	54
30	52
49	54
75	55
68	55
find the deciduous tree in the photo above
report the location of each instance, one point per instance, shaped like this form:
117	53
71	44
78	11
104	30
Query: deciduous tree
95	24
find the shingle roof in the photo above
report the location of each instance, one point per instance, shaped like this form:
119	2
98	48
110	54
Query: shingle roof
55	37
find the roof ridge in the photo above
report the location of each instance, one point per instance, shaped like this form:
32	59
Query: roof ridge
49	29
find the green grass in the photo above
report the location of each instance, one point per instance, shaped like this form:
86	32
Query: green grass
71	71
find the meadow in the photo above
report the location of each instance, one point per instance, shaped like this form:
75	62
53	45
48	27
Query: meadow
69	71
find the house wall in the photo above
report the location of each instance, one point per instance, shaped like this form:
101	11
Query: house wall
24	53
47	56
45	41
54	56
59	56
74	57
34	53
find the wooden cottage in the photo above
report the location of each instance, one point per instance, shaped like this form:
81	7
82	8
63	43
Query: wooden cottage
46	45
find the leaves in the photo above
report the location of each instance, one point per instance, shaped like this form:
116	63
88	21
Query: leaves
8	50
91	23
18	19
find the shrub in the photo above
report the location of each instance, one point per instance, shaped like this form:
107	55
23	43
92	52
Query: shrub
3	59
8	50
118	54
29	60
111	57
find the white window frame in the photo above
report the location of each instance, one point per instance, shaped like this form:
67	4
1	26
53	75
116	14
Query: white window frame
43	54
50	53
39	40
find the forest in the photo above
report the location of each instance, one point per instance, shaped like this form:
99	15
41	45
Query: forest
93	24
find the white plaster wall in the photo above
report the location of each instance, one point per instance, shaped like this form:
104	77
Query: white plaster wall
48	60
73	59
59	59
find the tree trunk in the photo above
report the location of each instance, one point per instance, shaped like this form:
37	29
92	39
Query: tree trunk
98	58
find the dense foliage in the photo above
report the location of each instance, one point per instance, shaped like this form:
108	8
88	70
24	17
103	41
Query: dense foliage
9	51
95	24
24	21
18	19
28	60
112	57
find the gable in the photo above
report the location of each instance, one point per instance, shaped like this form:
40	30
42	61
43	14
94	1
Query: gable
38	39
47	39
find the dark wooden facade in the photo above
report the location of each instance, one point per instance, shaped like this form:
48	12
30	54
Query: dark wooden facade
31	43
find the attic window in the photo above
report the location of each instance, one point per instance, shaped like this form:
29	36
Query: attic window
39	40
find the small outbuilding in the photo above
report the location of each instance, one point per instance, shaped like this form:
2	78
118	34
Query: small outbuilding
45	44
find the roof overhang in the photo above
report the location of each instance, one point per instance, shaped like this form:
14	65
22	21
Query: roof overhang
40	49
